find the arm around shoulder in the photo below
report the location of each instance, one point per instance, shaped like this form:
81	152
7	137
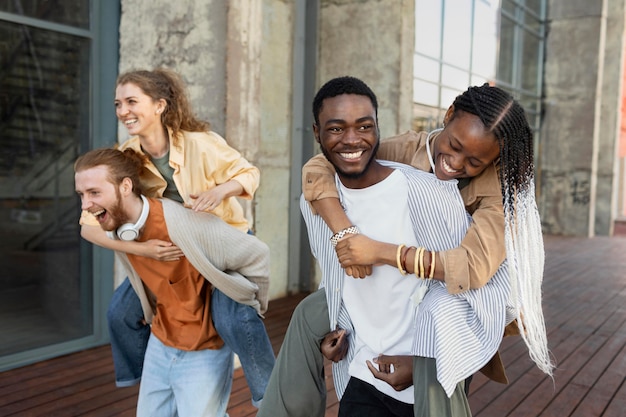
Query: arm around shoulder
481	252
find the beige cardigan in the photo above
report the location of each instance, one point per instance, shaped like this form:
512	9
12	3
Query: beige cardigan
212	247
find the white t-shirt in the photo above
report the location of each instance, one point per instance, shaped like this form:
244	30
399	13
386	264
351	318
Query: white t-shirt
380	305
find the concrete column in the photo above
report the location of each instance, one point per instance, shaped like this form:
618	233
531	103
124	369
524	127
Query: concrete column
372	40
243	68
581	112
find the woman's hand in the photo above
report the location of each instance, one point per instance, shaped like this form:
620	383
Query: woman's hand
356	250
208	200
160	250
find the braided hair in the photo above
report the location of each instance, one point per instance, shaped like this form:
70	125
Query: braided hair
503	116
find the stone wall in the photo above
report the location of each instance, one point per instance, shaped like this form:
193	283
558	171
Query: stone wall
236	62
372	40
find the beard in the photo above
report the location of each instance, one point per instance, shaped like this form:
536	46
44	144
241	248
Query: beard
117	214
352	175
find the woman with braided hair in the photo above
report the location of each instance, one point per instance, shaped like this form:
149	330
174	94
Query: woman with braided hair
486	145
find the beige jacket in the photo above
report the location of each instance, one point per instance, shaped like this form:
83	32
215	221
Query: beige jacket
236	263
202	160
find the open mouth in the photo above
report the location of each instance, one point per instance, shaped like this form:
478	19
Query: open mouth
100	214
447	168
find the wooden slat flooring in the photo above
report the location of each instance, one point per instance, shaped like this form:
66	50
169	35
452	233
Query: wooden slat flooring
585	309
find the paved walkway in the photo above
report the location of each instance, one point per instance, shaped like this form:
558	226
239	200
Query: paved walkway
585	310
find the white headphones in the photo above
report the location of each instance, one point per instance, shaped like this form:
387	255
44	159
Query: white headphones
130	231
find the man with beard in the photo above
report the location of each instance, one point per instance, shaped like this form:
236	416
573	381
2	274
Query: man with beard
398	310
187	368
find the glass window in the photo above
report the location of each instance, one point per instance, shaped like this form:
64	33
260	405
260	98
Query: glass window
67	12
455	78
426	69
425	93
531	55
485	41
44	103
496	42
506	63
535	6
428	27
457	33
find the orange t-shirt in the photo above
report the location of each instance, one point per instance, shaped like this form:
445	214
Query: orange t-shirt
183	296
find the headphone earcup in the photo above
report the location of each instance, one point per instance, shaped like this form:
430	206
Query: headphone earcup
130	231
127	232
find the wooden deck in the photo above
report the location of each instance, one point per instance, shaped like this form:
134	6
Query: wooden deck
585	308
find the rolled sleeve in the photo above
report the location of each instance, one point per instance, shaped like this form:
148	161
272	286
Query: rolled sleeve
318	179
228	164
456	270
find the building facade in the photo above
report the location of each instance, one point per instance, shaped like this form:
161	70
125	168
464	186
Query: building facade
252	68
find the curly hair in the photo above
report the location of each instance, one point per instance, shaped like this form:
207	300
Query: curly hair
338	86
162	83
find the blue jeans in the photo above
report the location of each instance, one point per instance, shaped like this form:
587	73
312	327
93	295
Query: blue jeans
128	334
238	325
185	383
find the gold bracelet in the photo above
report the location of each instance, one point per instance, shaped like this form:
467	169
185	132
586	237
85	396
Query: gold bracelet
398	252
416	262
419	255
422	274
404	254
431	274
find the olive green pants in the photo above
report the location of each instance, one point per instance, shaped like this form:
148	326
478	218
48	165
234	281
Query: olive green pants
297	386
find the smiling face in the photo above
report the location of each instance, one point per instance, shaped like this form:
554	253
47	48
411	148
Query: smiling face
464	148
348	135
100	197
137	111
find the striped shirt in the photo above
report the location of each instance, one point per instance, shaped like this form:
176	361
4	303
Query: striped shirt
462	332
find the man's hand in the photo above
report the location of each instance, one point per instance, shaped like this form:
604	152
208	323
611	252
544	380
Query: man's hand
335	345
400	377
359	271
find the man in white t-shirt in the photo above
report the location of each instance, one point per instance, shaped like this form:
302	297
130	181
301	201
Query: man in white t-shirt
400	210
